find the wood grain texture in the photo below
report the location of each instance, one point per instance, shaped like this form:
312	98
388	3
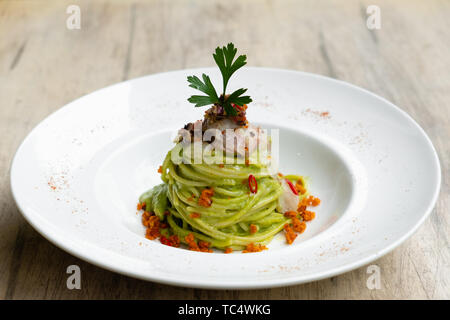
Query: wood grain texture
43	66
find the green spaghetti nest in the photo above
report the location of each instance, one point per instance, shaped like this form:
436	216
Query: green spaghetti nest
234	215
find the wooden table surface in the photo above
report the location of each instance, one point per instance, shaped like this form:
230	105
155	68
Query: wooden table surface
44	65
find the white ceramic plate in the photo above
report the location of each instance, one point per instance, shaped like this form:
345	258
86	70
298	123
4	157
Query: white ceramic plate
77	176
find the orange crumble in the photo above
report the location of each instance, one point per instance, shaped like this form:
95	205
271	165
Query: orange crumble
160	169
141	206
174	240
290	214
202	246
228	250
152	224
304	202
298	226
308	215
289	233
190	240
301	208
145	216
316	202
253	229
205	198
300	188
195	215
311	201
251	247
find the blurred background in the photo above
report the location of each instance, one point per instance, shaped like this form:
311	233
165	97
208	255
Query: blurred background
47	59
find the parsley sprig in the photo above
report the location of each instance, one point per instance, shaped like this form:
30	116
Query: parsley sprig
224	59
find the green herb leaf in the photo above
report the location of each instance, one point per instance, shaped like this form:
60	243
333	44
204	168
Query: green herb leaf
237	98
207	87
224	58
201	101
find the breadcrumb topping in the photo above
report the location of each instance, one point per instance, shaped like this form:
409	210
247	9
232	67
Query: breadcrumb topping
205	198
251	247
289	233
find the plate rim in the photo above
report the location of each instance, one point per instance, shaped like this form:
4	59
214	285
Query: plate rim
253	284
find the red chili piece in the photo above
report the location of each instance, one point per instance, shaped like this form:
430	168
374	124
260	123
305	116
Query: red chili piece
164	240
240	108
292	187
252	184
